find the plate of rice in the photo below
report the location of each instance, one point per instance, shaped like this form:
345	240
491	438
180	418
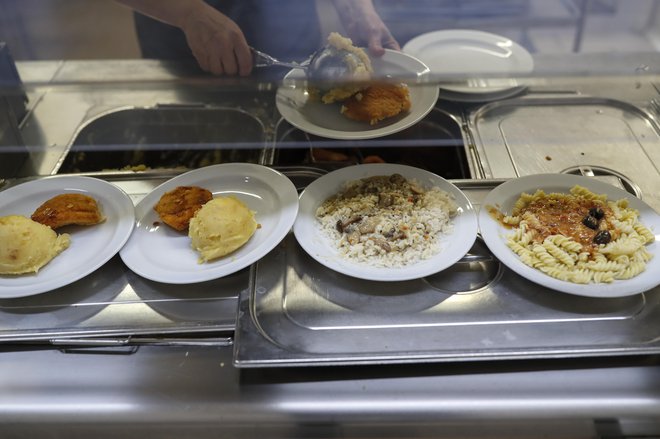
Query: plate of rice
385	222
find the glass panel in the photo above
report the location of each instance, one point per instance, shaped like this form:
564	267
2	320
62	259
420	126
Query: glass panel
470	90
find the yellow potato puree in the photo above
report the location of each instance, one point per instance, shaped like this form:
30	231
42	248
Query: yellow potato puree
360	67
26	245
221	226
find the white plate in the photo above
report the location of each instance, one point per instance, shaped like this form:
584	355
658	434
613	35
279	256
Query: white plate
453	246
91	246
160	253
494	234
325	120
472	54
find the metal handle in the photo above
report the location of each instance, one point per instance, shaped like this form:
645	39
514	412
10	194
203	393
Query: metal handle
264	60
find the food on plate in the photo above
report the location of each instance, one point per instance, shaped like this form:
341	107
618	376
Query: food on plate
377	102
179	205
67	209
336	155
361	99
359	64
579	237
373	159
220	227
27	245
329	155
387	220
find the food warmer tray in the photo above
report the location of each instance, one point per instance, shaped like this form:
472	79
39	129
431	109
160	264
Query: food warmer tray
298	313
607	138
113	306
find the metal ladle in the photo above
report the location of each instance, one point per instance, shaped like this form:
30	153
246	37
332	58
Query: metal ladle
327	63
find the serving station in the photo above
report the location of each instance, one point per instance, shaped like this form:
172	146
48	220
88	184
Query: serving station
285	346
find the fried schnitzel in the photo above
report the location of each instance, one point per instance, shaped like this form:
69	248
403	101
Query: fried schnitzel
179	205
66	209
377	102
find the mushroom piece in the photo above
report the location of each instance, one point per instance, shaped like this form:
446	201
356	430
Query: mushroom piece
343	224
385	199
397	179
380	242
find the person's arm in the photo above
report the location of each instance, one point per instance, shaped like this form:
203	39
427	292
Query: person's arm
216	41
364	25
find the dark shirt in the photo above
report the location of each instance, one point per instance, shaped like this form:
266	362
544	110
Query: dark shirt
285	29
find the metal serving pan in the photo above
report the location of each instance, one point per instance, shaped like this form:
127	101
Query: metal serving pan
536	134
165	137
297	313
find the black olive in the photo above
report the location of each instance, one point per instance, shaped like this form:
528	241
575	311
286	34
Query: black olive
597	212
590	222
602	237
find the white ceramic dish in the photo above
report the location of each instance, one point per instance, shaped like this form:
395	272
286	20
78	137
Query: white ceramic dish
472	54
325	120
91	246
494	234
162	254
453	246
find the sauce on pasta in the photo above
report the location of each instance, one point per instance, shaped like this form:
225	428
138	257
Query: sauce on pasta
560	214
555	234
497	215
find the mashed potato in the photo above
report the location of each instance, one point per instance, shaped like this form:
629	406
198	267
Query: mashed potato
27	245
220	227
360	66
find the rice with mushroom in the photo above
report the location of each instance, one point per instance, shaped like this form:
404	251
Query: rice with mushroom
387	221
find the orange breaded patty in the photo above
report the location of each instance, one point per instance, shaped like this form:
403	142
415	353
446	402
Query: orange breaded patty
179	205
377	102
66	209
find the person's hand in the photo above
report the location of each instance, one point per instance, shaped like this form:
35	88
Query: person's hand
217	42
364	26
373	33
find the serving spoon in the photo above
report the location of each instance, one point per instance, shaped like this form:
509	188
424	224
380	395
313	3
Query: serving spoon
328	63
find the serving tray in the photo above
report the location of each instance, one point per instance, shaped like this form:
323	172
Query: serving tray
297	313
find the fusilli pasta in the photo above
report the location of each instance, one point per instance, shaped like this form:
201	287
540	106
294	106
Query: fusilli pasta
550	234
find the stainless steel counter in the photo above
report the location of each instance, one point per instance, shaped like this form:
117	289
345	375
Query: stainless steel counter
194	391
162	392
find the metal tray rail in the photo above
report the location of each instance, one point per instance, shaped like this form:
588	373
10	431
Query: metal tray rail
298	313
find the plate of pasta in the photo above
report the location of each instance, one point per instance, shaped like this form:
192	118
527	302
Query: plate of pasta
573	234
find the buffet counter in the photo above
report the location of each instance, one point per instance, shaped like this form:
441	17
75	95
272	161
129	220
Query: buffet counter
115	354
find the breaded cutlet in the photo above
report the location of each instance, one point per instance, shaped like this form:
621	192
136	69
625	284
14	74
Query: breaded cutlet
377	102
179	205
67	209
